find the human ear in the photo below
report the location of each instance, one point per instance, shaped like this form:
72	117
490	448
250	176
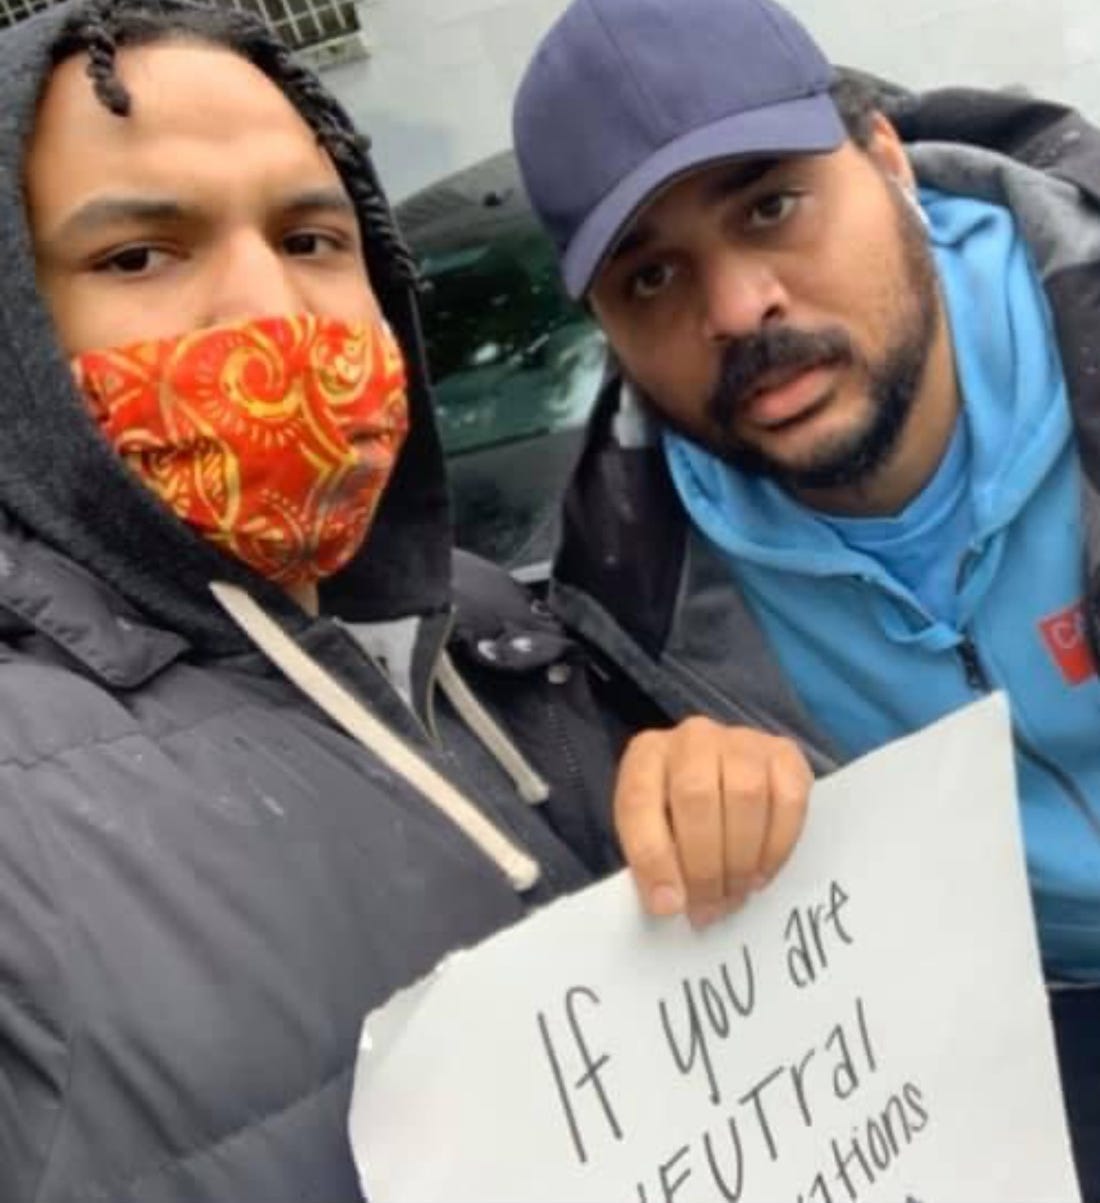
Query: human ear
887	151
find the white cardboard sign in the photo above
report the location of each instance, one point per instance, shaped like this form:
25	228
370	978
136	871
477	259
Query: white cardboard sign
873	1028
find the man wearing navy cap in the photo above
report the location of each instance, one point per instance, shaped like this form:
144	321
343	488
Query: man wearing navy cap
843	478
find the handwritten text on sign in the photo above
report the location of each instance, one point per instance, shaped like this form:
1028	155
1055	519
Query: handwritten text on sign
698	1022
873	1027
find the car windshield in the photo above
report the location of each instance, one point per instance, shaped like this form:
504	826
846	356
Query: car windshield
511	355
516	365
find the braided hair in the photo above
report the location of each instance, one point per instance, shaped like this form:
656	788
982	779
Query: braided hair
101	28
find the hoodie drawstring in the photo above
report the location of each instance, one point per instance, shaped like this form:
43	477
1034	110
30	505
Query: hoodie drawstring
350	714
531	787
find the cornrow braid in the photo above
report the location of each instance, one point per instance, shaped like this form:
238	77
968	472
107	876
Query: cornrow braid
101	28
350	151
101	70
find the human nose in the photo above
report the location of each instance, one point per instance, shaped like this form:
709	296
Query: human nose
249	278
740	296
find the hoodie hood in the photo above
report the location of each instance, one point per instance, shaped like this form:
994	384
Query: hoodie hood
1012	390
61	481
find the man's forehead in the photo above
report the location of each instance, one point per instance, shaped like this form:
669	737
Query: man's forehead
175	84
203	122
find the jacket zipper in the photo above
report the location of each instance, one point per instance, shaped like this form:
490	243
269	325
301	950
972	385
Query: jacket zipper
556	721
978	680
973	668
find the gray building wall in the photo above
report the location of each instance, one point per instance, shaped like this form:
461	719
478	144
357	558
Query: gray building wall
435	94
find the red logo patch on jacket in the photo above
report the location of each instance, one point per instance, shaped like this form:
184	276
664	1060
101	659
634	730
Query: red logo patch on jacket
1064	635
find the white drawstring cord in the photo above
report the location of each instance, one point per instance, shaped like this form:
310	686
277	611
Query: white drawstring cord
316	683
531	787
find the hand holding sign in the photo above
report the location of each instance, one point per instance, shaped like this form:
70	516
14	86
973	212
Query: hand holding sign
872	1026
706	814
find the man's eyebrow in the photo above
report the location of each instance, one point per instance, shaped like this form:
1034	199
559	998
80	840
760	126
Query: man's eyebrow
634	240
313	200
738	177
106	211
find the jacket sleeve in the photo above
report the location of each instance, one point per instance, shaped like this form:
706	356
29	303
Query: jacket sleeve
34	1004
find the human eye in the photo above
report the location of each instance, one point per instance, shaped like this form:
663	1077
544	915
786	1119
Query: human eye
773	209
137	260
649	280
310	244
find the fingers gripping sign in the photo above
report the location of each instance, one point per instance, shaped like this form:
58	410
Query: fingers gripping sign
706	814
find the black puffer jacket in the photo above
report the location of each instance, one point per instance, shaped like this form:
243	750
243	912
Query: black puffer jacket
204	883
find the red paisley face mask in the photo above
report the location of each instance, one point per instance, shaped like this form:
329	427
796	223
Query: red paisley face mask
275	438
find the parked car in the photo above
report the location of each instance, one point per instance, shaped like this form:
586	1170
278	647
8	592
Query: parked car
516	363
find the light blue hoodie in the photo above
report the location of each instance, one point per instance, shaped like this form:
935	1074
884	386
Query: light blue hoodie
870	662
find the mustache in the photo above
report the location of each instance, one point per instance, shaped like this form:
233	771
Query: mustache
746	361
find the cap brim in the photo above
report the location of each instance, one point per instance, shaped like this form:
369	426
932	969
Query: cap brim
807	125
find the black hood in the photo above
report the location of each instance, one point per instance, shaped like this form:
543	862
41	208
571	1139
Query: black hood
61	481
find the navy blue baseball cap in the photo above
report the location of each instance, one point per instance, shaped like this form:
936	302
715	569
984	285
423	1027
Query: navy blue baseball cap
623	97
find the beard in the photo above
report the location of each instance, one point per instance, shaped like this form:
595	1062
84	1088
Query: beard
894	379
